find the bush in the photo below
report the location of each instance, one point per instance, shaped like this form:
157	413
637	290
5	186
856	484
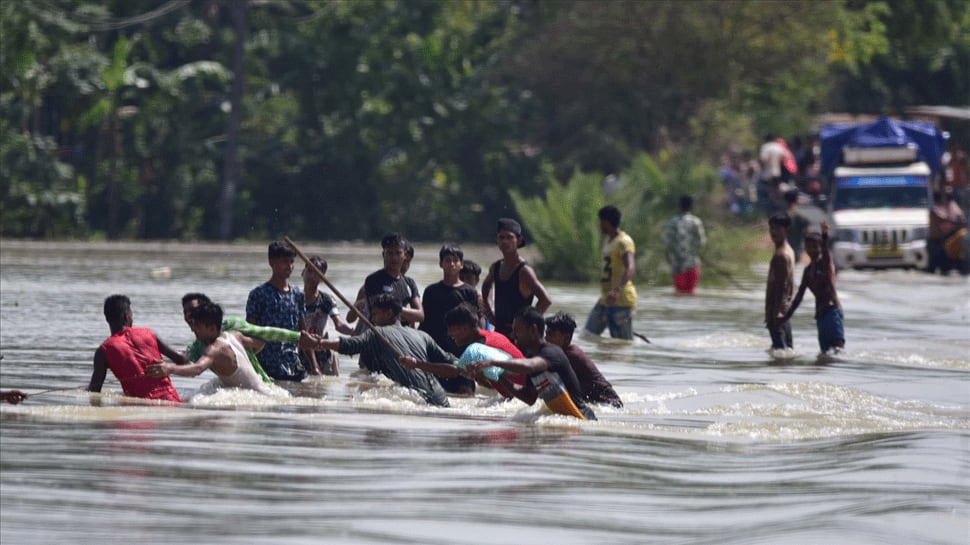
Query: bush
565	229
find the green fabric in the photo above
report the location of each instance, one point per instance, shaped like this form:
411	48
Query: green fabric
271	334
232	323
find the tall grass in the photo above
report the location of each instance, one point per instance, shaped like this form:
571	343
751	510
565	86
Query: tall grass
565	227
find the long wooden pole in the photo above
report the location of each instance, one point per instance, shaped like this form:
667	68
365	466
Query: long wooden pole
340	296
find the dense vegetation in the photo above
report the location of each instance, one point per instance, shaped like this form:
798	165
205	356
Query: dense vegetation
334	119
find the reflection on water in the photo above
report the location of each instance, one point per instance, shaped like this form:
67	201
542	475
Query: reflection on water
716	443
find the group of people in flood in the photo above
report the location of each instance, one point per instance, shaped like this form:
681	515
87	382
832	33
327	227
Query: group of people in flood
448	339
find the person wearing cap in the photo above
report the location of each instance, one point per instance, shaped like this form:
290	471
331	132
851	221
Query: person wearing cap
515	282
618	296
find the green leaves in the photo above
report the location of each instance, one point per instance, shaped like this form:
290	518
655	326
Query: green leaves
564	226
431	117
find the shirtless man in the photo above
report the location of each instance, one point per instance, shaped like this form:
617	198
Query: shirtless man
515	282
225	353
819	276
781	283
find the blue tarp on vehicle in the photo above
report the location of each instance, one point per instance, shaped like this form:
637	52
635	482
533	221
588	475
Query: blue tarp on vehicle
882	133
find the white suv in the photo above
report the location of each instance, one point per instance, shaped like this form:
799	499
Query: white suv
880	216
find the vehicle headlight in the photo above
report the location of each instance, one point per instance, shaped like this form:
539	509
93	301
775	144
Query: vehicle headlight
921	233
847	235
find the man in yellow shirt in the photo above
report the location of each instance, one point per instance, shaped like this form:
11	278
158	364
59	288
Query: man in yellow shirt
617	304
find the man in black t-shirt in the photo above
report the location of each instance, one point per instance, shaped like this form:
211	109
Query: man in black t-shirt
528	326
389	280
392	281
441	297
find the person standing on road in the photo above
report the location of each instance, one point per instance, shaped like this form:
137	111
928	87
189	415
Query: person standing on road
618	296
683	237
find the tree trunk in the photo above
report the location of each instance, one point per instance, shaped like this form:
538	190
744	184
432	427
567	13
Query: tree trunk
231	167
114	192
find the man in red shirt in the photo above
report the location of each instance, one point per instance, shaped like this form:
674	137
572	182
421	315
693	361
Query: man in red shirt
128	352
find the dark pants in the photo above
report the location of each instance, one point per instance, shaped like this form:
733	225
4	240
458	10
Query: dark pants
781	336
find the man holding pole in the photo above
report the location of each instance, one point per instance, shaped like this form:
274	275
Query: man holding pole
384	343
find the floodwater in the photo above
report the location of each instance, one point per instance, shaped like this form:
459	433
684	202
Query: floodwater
717	443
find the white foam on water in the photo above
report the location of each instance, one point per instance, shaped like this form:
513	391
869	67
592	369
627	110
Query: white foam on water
891	356
813	410
241	397
728	339
782	354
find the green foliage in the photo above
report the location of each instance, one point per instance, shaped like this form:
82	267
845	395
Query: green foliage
924	58
36	197
564	227
429	117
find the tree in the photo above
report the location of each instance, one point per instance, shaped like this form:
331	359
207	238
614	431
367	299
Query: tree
925	59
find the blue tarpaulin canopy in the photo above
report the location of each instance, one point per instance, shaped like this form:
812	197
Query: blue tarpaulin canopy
882	133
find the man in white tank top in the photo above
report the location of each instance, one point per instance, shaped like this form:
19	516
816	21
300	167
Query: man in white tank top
225	353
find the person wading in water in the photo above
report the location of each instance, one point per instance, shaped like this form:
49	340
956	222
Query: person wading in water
515	282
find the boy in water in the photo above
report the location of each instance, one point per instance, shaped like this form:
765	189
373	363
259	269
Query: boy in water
515	282
539	357
819	276
618	296
277	303
128	352
320	308
13	396
463	328
470	274
438	299
225	353
595	387
781	283
234	323
382	346
390	280
683	237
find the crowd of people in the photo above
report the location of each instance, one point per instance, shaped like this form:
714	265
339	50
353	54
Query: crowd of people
759	182
449	339
780	177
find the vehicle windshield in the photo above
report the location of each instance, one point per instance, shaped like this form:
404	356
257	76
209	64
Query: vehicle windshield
848	198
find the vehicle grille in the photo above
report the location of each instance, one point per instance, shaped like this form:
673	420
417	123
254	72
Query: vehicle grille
885	237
